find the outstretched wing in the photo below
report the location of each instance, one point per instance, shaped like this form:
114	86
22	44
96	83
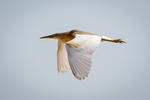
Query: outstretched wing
62	58
80	51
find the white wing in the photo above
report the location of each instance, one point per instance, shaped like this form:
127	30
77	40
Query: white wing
62	57
80	51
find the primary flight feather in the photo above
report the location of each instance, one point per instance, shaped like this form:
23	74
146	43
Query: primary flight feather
75	49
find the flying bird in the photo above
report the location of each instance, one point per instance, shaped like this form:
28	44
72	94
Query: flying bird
75	49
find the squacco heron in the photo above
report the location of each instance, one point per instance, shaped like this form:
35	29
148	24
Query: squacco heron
75	49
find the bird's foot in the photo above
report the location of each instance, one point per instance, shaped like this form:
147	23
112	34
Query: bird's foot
118	41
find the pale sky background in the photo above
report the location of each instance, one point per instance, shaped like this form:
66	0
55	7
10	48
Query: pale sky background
28	67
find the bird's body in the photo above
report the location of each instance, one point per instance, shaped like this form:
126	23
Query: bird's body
75	49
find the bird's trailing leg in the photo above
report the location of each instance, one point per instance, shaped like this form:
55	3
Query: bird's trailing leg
110	40
117	41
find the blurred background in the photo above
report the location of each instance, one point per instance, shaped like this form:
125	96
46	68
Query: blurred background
28	65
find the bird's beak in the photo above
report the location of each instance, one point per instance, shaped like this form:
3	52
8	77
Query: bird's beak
49	36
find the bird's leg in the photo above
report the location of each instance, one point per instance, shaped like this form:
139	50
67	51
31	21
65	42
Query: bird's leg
115	40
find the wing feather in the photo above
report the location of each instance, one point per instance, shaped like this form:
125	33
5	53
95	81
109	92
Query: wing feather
62	58
80	51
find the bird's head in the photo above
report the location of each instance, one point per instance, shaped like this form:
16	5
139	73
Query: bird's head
57	36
